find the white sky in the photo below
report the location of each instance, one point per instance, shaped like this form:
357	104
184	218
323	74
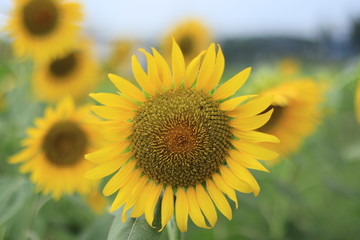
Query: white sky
151	19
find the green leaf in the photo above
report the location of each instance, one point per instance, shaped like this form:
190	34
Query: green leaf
14	194
135	228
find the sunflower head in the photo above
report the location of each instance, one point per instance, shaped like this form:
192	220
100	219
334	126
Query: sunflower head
193	36
43	29
55	148
181	135
296	113
74	73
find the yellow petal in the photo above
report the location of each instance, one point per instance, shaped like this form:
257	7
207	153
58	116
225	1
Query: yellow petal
254	150
113	113
207	68
231	86
234	102
243	174
253	107
119	179
25	154
127	88
178	63
139	207
233	181
141	77
153	197
194	208
253	136
114	100
167	206
192	70
250	123
107	168
219	199
152	71
107	153
163	69
206	205
125	192
218	71
116	124
181	209
247	161
225	188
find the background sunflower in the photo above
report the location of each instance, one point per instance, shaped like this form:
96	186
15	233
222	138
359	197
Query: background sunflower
43	29
74	73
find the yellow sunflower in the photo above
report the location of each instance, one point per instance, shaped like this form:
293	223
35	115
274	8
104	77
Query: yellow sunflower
357	102
54	150
43	29
295	115
74	73
182	136
191	35
120	54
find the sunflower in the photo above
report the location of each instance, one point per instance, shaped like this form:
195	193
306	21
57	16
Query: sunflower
73	73
43	29
180	137
120	54
295	115
191	35
54	150
357	102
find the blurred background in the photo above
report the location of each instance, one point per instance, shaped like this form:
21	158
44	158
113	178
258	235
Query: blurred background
313	193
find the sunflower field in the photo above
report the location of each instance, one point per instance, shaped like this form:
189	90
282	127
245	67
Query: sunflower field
190	135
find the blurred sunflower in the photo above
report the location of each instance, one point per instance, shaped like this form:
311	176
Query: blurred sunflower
43	29
295	115
54	150
192	36
357	102
96	201
74	73
120	54
181	137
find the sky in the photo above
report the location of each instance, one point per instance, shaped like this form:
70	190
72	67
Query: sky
151	19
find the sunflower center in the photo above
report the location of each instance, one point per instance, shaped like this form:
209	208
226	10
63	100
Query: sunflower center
40	17
275	117
65	143
64	66
186	45
180	137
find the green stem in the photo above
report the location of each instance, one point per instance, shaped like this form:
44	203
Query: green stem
173	231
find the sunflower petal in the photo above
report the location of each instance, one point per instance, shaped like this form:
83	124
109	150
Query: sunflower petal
243	174
247	161
253	107
254	150
153	197
225	188
207	68
178	64
253	136
107	168
231	86
206	205
127	88
219	199
109	152
218	71
194	208
167	206
113	113
181	209
152	71
232	103
234	181
114	100
163	69
141	77
192	70
250	123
